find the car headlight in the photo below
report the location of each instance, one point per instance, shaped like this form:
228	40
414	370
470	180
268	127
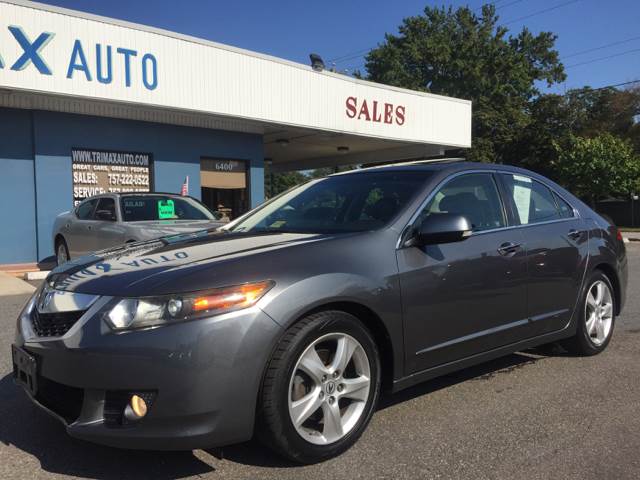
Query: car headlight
146	312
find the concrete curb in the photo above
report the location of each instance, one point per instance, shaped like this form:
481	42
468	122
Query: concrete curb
39	275
14	286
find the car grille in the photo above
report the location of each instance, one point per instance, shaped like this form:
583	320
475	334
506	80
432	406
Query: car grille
53	324
63	400
114	405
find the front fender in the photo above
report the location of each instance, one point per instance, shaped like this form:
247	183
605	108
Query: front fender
58	227
380	296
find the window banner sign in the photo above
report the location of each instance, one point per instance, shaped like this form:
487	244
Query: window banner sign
103	171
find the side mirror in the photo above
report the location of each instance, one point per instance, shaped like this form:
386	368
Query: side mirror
105	215
443	228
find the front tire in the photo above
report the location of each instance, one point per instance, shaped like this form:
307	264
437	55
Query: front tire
596	317
320	388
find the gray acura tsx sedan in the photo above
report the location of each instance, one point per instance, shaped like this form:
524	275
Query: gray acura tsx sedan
290	322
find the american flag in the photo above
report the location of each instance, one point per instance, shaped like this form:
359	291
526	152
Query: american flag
185	187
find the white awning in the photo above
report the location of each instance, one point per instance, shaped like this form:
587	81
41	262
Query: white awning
66	60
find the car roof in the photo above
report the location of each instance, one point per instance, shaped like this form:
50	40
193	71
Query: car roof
148	194
442	165
136	194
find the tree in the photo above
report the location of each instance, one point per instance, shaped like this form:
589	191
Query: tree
461	54
598	167
276	183
325	171
607	110
555	119
550	122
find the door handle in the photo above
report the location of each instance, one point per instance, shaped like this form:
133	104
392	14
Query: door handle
508	248
574	234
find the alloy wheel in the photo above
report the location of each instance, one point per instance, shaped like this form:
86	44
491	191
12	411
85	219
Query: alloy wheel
329	388
599	312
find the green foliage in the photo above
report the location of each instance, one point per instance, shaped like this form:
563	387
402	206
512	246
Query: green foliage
458	53
584	139
556	119
598	167
325	171
276	183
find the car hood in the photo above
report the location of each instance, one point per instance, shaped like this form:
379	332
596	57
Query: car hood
138	269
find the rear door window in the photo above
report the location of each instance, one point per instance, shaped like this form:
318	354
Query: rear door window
566	210
532	201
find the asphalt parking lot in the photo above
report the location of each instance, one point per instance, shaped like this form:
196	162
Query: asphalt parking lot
530	415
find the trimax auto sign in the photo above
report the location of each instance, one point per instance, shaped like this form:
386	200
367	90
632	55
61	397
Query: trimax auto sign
96	62
100	171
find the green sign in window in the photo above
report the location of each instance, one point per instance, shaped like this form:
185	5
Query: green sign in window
166	209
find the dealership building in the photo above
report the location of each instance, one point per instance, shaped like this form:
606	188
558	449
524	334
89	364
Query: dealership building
91	104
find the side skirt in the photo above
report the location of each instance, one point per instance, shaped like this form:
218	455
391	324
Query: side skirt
430	373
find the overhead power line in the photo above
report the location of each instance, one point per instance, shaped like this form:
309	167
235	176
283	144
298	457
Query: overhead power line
501	6
587	62
540	12
360	53
602	47
615	85
351	55
618	85
595	49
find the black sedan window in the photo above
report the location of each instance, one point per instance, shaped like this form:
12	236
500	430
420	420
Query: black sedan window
532	201
474	195
343	203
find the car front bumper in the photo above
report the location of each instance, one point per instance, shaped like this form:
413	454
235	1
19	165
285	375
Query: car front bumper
203	377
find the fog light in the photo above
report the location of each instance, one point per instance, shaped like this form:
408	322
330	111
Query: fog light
136	409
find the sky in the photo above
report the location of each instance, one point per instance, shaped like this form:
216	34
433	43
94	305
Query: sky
336	29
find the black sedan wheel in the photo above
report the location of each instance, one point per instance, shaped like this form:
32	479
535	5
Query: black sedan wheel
596	317
320	388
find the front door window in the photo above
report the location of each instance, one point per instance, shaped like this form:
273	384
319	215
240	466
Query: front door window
473	195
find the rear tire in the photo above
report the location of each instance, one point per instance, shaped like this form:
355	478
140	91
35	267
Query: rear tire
325	374
62	252
596	317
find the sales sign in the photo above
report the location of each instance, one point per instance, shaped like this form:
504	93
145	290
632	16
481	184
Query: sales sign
100	171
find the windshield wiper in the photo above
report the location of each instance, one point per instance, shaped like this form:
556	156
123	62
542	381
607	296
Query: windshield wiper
268	230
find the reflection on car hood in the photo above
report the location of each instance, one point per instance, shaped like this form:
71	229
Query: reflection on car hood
134	269
170	227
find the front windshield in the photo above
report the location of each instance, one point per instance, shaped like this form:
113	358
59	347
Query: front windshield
139	208
339	204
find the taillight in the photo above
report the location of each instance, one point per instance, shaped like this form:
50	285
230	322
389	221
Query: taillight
619	235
